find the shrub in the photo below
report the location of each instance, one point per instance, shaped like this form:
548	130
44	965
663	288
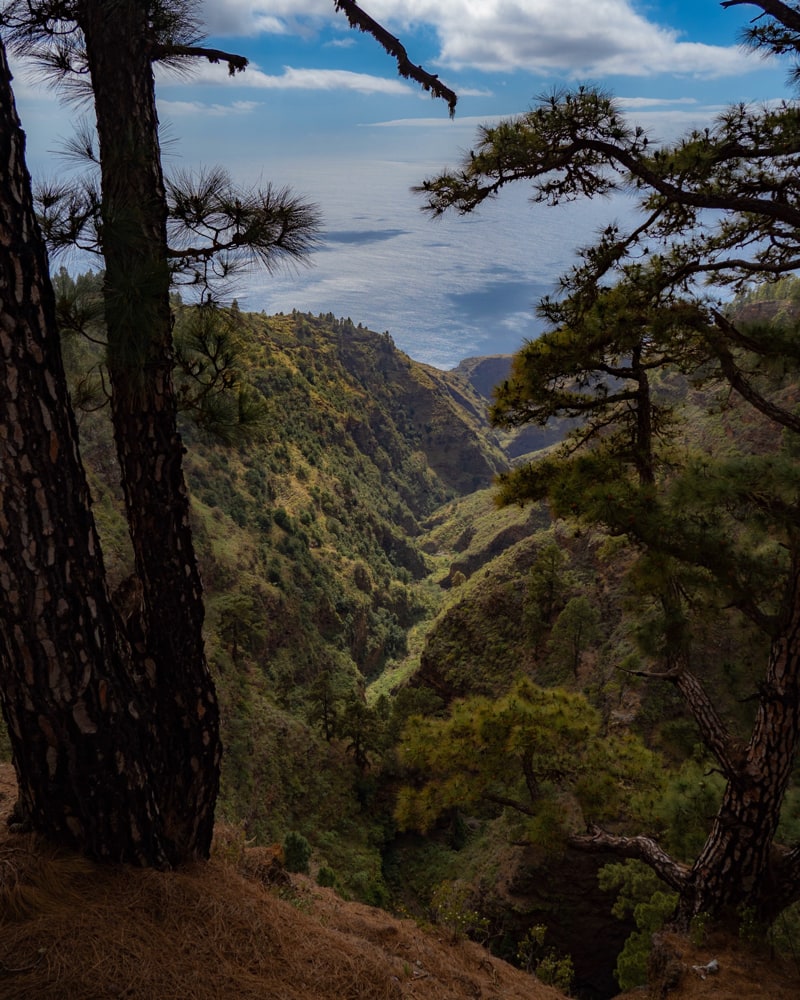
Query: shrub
297	852
326	876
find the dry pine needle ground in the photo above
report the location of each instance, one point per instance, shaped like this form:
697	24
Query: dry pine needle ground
73	929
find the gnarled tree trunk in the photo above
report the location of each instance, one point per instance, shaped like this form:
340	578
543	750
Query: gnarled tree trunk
740	865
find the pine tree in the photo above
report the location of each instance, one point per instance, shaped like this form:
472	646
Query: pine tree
115	736
720	206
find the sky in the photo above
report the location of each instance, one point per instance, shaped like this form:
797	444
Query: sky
321	109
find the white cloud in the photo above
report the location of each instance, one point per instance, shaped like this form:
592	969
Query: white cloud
460	122
179	108
652	102
246	17
571	37
294	79
664	119
574	37
328	79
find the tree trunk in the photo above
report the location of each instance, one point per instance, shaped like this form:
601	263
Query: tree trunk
740	865
79	732
144	412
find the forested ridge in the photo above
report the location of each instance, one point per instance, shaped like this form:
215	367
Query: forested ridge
525	668
354	577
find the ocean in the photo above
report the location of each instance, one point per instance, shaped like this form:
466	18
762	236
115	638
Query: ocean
444	289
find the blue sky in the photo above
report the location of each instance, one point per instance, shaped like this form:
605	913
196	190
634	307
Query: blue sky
322	110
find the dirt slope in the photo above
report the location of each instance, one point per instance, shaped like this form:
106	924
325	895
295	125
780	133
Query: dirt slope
720	969
73	929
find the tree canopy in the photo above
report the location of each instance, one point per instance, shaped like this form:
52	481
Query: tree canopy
644	309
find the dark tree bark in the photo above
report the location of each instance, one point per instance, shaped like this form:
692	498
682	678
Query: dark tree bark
80	732
120	51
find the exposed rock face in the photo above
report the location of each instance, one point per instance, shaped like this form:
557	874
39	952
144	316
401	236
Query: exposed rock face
439	412
483	374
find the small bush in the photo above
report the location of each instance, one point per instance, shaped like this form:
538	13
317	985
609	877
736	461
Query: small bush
451	907
326	876
297	852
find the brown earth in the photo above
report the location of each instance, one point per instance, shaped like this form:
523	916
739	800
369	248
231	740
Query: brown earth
743	973
239	927
71	929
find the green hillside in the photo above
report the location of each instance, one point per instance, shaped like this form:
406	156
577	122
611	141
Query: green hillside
358	572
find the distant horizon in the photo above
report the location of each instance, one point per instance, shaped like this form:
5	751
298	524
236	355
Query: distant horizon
321	109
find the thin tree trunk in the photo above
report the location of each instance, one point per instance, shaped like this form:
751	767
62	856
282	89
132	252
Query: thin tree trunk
144	413
79	733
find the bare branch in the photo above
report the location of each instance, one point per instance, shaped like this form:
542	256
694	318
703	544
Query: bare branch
597	841
236	64
728	751
788	16
428	81
737	380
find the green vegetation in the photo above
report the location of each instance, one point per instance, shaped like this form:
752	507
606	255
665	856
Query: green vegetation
393	652
539	752
641	894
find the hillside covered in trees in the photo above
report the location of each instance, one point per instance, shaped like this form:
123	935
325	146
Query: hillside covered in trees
524	668
367	600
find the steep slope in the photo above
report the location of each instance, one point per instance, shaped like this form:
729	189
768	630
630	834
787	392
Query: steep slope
483	374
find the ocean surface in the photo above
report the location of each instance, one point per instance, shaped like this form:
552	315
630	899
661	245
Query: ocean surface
445	289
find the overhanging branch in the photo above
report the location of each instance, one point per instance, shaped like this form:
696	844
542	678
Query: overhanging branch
236	64
727	751
597	841
428	81
738	382
782	12
716	736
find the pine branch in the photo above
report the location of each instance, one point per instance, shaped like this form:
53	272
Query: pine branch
428	81
236	64
782	12
736	378
727	751
574	145
500	800
597	841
